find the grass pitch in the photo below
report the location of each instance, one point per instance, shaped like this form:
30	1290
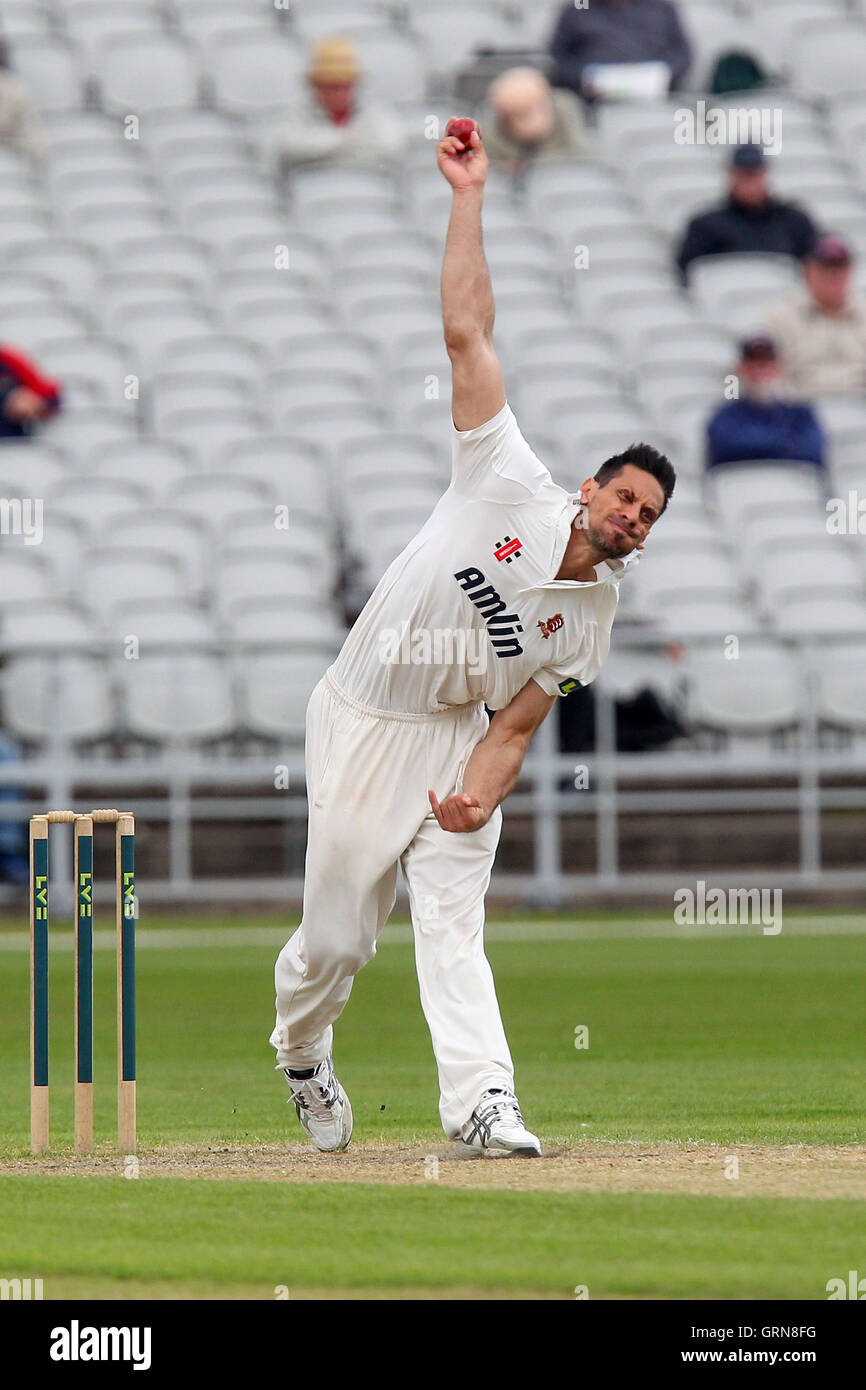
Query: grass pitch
701	1048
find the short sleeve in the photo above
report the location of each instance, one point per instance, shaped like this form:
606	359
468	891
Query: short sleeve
494	463
584	664
554	683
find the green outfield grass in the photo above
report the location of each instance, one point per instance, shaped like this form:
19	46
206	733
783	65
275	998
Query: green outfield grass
100	1235
734	1039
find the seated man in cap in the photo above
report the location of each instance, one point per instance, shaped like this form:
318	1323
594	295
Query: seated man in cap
762	424
751	219
820	330
525	120
336	122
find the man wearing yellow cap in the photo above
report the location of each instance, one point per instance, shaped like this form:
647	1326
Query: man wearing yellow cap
336	122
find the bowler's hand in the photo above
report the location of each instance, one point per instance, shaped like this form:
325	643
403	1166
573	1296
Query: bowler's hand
464	166
459	814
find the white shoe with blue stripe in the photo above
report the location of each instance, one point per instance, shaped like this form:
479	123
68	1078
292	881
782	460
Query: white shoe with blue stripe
322	1105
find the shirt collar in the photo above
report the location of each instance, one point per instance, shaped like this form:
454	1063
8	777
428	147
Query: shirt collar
607	572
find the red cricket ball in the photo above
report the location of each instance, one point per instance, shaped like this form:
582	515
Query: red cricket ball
461	127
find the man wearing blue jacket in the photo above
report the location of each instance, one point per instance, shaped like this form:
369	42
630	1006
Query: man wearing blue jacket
617	31
762	424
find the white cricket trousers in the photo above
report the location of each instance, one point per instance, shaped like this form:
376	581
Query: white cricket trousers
368	772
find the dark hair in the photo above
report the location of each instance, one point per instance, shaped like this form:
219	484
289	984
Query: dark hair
649	460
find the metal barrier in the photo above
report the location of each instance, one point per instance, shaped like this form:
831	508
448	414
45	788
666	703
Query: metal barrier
181	786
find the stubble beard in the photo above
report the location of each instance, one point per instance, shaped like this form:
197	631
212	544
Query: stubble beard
601	546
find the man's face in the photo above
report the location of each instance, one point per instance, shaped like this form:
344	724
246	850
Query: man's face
619	514
760	377
335	97
750	187
527	115
828	284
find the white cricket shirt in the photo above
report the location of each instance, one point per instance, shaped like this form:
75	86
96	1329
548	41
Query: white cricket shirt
470	611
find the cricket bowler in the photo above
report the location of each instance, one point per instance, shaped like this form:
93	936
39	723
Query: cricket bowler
403	763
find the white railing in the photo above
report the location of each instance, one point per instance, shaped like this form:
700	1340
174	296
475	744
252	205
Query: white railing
181	786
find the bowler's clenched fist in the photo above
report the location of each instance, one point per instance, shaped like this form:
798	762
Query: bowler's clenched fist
459	814
462	157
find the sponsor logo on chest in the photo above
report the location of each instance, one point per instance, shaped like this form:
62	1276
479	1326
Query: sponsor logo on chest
502	626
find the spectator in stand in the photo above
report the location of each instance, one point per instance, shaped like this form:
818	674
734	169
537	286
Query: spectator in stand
14	865
335	122
27	397
525	120
17	120
820	331
762	424
751	219
617	31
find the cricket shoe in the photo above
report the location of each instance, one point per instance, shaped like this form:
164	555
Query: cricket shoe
495	1129
322	1105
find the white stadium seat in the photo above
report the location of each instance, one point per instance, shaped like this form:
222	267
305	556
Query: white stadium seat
105	226
215	499
181	697
216	352
827	57
701	615
797	573
78	433
177	392
209	432
29	468
144	73
25	574
294	388
168	254
161	529
395	64
343	350
280	530
90	23
742	489
245	575
269	625
276	689
810	617
755	695
153	464
115	574
122	294
293	471
238	292
72	264
34	623
45	695
252	71
841	677
53	72
712	278
204	21
335	17
27	324
156	626
153	327
93	499
331	433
